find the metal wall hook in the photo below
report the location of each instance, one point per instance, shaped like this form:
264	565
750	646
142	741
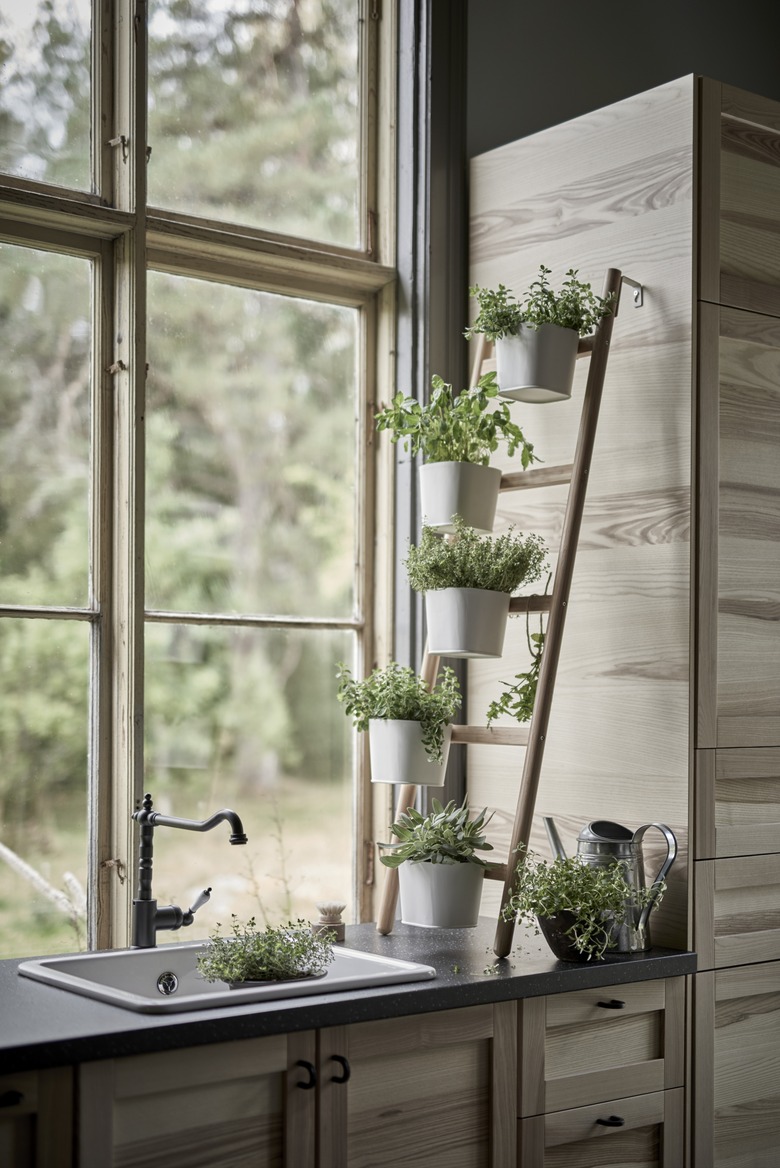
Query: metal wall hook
639	290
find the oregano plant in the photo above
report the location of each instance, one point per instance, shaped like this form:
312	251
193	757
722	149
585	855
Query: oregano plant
498	563
449	427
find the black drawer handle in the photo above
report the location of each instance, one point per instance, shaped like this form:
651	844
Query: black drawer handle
312	1080
612	1121
612	1004
10	1098
346	1068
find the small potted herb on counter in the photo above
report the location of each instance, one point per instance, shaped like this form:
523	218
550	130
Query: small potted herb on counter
440	874
456	434
536	338
282	953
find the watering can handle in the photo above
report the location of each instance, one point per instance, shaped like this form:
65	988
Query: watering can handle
671	853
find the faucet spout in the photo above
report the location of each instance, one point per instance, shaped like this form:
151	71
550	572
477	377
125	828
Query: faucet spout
157	819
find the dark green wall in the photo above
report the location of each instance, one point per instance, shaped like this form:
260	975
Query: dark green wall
534	65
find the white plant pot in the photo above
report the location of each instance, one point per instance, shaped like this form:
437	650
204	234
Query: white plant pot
398	755
440	896
466	622
458	488
537	365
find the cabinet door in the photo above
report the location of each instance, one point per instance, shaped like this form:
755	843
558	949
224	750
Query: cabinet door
427	1091
230	1105
737	1067
36	1119
645	1131
596	1044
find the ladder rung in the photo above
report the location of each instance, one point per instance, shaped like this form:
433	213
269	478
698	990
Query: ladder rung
495	872
543	476
585	347
534	603
491	736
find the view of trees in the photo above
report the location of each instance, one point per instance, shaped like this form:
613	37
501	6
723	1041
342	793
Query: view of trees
250	474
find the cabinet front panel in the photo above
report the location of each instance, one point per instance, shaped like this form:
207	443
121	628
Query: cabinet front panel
423	1108
747	1067
738	802
737	911
748	640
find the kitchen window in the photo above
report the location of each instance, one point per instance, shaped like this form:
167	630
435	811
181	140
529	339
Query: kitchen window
195	311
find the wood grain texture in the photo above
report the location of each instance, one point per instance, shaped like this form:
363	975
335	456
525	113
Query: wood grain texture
612	188
707	189
749	531
744	925
703	1087
747	1067
704	600
738	794
503	1078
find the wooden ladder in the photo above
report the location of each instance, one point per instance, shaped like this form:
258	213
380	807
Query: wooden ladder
533	736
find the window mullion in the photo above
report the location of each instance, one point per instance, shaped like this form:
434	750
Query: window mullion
128	361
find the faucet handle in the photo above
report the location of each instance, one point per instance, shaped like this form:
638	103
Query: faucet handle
200	900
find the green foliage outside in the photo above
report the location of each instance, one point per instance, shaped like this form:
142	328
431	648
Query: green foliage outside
250	432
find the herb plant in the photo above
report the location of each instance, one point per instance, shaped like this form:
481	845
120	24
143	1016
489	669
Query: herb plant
275	954
446	836
597	897
397	692
576	307
461	428
469	560
519	697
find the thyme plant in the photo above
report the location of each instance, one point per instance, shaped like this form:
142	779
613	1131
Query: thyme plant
276	954
576	307
469	560
459	428
397	692
446	836
598	898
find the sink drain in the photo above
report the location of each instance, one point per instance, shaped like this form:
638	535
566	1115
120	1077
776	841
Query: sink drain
167	983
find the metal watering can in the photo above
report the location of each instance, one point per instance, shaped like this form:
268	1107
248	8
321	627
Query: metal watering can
600	844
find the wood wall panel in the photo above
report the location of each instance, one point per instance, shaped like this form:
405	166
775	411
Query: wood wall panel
748	687
613	188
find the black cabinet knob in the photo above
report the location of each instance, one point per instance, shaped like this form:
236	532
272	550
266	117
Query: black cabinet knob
612	1004
312	1080
10	1098
612	1121
345	1067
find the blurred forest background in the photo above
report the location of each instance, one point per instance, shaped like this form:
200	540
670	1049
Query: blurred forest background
252	400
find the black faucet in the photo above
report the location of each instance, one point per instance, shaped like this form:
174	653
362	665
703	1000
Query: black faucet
147	917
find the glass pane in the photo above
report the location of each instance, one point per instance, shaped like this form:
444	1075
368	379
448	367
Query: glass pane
45	339
45	90
253	113
250	451
43	785
248	719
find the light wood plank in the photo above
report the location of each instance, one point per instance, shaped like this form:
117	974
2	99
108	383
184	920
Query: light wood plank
707	186
491	735
504	1076
704	804
531	1024
703	1093
674	1033
745	802
542	476
705	596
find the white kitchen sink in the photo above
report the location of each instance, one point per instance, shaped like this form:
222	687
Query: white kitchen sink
166	980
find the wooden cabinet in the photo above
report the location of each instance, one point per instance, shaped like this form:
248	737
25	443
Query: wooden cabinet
36	1119
603	1065
433	1090
737	1084
234	1103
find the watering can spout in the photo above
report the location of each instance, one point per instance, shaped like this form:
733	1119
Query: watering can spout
558	850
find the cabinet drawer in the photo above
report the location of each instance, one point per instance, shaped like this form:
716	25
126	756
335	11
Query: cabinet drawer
737	920
597	1044
642	1129
737	802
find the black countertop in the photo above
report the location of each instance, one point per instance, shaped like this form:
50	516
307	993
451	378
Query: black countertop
41	1026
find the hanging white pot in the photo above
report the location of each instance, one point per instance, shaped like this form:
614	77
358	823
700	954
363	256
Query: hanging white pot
398	756
440	896
466	622
537	365
458	488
